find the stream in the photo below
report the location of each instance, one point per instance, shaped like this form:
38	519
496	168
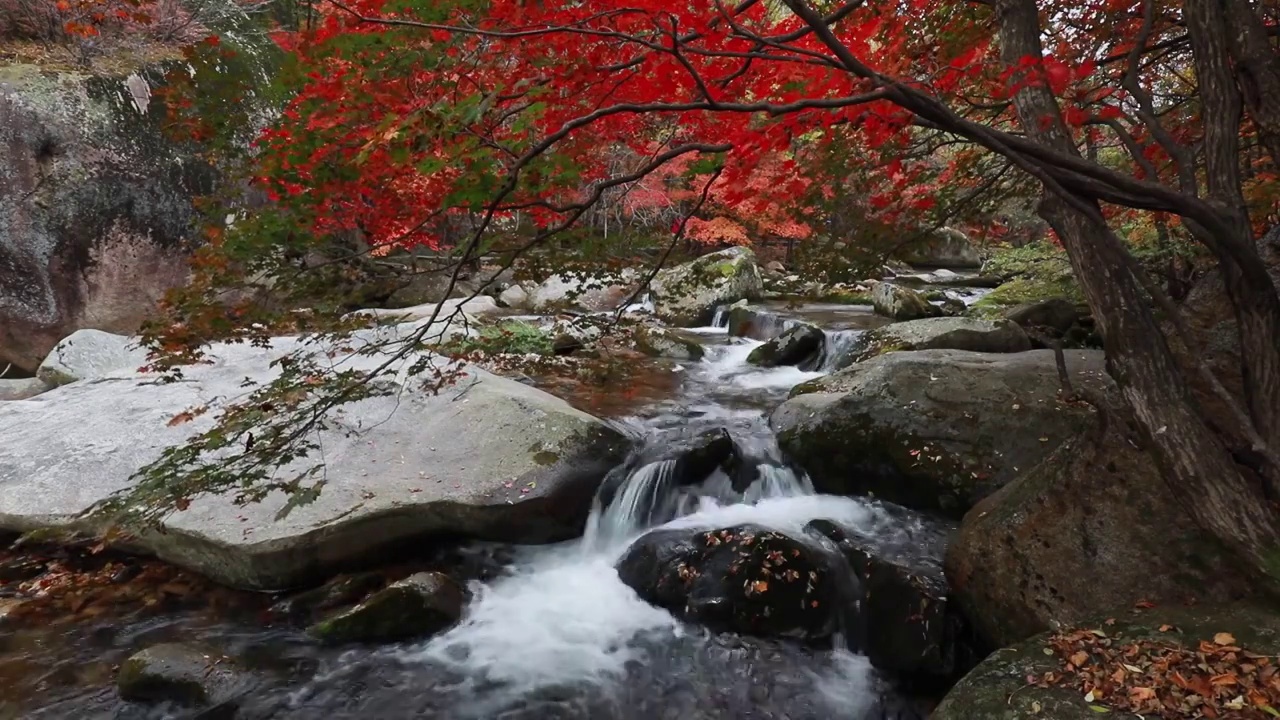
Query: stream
551	631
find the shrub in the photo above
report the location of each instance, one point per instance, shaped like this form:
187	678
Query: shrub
510	336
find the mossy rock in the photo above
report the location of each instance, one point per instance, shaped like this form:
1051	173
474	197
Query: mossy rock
422	604
185	674
689	294
1021	291
998	689
1095	508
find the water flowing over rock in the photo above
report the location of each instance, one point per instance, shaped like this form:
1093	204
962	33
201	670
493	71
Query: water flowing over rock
990	336
746	579
756	323
87	354
487	457
901	303
1092	509
420	605
934	429
185	674
689	294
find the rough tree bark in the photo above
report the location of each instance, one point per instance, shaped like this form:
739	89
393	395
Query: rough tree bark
1222	496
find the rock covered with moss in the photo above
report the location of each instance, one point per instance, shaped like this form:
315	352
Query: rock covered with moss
185	674
420	605
901	303
689	294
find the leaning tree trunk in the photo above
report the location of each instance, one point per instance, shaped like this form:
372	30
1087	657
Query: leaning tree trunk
1198	466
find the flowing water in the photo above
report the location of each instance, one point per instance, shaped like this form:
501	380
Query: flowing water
554	633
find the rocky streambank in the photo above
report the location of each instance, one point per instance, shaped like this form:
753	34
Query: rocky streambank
857	506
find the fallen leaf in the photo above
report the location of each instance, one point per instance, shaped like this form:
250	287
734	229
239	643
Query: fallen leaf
1224	639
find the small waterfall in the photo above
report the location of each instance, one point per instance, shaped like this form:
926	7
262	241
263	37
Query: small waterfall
643	498
838	347
721	317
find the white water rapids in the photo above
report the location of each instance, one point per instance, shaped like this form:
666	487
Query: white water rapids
562	616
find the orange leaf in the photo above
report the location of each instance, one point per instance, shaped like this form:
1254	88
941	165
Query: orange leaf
1224	639
182	417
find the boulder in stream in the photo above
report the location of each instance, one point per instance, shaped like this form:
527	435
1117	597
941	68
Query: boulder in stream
420	605
486	458
801	344
944	333
585	292
689	294
745	579
901	303
934	429
660	342
907	624
1096	510
184	674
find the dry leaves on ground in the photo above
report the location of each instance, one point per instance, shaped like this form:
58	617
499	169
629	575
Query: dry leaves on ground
1157	679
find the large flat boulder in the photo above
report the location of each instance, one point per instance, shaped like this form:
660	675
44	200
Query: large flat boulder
934	430
1091	510
689	294
943	333
487	457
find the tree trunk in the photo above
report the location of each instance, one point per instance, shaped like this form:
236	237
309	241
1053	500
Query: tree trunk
1197	465
1258	70
1248	285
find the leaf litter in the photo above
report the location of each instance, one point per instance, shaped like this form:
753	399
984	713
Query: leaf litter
1164	679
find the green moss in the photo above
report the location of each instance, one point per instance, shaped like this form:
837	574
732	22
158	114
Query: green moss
1021	291
1032	273
546	457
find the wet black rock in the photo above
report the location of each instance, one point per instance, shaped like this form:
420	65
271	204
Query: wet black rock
745	579
800	344
184	674
420	605
907	625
